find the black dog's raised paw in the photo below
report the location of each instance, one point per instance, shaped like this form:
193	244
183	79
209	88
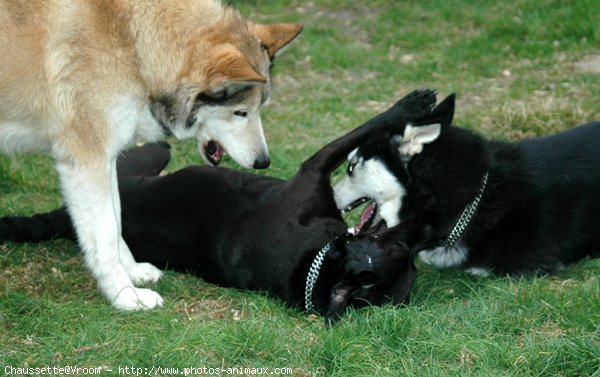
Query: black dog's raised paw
417	103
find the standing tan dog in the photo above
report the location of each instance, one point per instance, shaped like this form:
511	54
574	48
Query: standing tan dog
82	79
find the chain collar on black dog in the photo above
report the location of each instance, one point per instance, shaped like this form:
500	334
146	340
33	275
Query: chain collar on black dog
313	275
465	217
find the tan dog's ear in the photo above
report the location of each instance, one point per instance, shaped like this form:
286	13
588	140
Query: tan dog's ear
229	65
275	36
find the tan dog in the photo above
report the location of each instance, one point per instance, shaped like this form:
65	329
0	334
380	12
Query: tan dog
82	79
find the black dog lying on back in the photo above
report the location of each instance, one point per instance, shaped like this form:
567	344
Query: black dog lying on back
492	207
254	232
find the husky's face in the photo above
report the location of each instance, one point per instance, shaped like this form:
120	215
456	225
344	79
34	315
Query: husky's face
222	88
380	169
370	176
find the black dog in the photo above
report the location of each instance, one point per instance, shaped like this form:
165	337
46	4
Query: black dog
492	207
254	232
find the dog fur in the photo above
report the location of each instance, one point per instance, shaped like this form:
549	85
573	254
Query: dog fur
254	232
539	209
81	79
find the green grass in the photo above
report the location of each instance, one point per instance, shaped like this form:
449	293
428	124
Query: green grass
514	68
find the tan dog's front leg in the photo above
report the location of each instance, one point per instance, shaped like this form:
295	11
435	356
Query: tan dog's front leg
138	272
91	194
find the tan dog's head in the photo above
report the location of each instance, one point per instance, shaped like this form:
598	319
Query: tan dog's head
224	82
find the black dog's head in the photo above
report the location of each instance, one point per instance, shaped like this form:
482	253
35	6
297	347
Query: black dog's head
374	269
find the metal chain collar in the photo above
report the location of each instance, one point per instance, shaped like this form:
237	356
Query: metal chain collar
313	275
465	217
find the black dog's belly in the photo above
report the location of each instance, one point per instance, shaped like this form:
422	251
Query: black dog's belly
265	253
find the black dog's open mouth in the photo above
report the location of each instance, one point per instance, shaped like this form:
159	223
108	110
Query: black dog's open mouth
213	152
367	216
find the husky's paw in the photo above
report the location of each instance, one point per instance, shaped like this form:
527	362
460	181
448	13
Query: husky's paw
131	298
144	273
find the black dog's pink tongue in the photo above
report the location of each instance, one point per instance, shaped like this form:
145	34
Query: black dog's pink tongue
364	217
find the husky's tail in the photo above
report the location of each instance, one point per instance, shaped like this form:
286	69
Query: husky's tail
413	106
37	228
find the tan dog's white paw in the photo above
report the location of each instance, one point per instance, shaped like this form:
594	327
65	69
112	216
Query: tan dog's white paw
144	273
132	298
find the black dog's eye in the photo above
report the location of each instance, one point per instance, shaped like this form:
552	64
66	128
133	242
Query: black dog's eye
350	169
241	113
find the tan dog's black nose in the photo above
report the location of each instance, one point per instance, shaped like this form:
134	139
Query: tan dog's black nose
262	163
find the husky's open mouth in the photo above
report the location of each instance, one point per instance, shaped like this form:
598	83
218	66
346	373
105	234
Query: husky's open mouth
367	216
213	152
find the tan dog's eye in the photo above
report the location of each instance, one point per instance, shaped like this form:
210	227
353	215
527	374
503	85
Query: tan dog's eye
241	113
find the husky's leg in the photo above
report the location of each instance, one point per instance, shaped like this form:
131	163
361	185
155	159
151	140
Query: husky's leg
90	197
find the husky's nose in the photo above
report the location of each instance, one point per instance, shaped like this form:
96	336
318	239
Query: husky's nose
262	163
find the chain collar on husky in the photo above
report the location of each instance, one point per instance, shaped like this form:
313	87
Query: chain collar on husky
465	217
313	275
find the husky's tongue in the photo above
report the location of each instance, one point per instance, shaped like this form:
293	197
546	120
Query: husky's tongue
366	215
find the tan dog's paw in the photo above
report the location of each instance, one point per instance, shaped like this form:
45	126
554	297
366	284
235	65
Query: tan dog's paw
132	298
144	273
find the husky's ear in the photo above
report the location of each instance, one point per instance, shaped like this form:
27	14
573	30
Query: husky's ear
275	36
230	66
442	113
413	139
425	130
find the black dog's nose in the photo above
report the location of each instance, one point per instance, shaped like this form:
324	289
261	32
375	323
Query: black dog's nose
262	163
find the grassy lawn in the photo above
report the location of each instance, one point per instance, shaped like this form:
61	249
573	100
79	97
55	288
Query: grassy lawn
520	68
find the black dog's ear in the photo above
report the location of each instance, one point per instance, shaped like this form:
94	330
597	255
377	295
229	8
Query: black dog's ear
339	297
399	292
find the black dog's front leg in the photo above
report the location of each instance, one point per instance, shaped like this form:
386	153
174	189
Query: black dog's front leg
414	105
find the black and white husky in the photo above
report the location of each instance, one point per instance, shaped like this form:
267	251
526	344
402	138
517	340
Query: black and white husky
493	207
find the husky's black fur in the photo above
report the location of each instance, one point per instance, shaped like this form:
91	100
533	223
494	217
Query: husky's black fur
540	209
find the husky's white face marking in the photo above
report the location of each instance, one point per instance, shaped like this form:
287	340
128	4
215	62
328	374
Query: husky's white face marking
387	192
370	178
441	257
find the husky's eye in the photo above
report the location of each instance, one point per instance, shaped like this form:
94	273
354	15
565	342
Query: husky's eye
241	113
350	169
